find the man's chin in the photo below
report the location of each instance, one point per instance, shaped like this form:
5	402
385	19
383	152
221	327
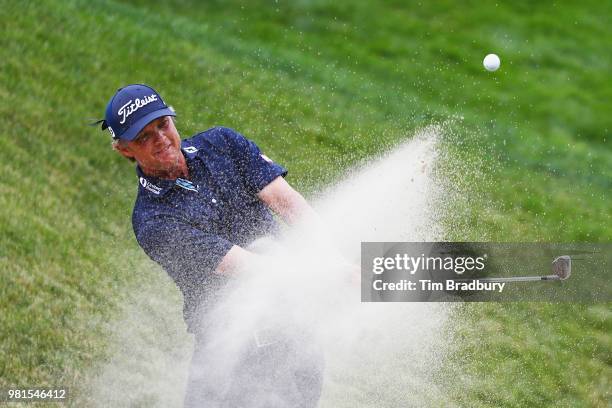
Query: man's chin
168	159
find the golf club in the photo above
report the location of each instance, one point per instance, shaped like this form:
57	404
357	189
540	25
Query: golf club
561	270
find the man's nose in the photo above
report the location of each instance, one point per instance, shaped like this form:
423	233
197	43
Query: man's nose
159	137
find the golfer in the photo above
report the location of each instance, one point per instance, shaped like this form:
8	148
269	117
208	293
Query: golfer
201	201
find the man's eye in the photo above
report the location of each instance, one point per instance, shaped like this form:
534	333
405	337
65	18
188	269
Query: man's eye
164	124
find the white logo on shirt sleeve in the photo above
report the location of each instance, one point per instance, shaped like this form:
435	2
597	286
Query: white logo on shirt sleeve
266	158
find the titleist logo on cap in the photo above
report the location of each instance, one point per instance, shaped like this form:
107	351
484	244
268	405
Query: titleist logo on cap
132	106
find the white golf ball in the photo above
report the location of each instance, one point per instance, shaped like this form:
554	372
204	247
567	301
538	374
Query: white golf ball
491	62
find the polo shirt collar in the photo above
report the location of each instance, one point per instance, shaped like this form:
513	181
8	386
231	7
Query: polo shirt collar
153	185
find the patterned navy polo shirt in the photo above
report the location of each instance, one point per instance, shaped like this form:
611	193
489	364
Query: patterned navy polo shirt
187	226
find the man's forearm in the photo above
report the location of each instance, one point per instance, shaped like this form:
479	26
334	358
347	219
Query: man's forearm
290	205
295	209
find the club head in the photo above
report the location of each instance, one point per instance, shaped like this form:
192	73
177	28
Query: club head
562	267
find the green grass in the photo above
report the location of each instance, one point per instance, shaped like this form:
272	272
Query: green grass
543	357
321	86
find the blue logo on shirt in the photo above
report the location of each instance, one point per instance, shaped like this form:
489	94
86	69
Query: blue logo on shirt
186	184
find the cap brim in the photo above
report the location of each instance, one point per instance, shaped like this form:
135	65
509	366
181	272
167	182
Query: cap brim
133	131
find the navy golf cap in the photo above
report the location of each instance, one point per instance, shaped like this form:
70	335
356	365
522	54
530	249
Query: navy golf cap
131	109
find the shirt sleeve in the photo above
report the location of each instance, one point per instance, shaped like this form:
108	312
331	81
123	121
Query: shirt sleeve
188	254
256	168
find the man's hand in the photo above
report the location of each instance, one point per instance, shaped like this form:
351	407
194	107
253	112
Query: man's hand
355	275
351	271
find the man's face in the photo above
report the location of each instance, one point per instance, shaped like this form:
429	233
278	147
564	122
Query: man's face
157	148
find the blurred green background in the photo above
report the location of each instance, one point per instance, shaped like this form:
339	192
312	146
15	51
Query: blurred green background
322	85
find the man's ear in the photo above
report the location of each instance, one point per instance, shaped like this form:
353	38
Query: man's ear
123	150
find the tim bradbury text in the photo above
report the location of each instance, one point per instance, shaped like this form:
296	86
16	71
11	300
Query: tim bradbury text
428	285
